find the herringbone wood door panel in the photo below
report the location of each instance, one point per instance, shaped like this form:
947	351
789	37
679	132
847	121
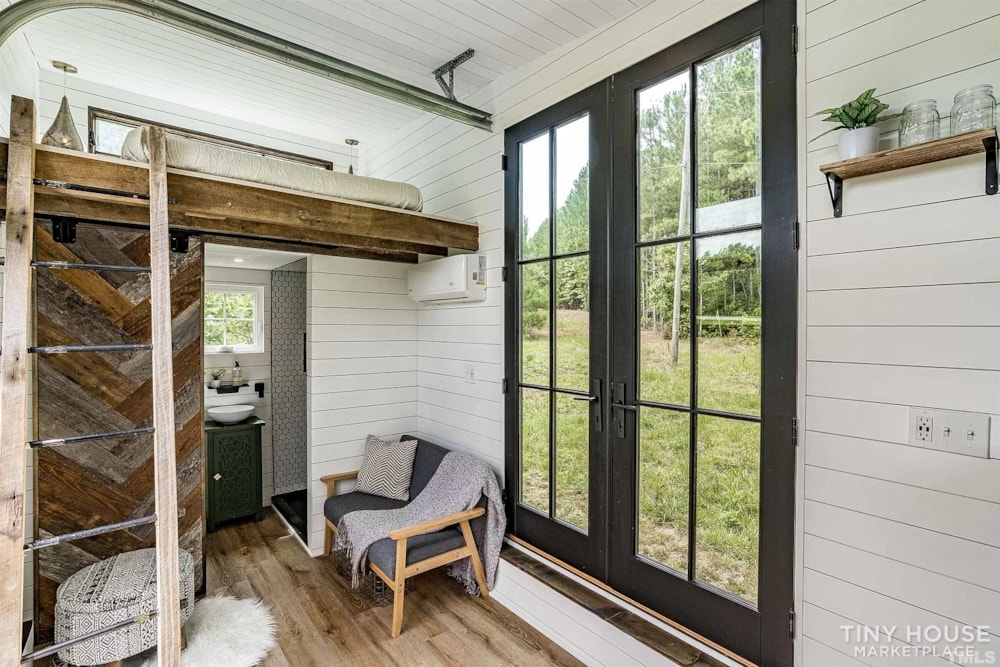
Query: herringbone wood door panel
94	483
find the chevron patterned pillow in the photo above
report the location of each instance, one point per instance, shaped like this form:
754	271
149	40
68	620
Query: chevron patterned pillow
387	468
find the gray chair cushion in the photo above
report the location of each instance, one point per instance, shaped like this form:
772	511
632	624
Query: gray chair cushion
425	464
421	547
336	507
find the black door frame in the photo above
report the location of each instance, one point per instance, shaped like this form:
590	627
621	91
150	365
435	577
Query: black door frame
769	640
587	551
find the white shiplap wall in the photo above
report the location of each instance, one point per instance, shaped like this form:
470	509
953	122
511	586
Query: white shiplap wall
902	308
362	366
18	73
256	367
19	76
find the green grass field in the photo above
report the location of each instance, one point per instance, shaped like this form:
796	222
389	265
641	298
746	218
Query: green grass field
727	450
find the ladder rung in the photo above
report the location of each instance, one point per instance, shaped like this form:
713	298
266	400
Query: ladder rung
89	267
90	532
68	440
64	349
55	648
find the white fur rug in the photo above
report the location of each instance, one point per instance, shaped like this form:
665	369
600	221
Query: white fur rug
223	631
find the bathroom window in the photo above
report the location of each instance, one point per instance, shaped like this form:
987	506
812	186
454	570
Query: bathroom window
234	318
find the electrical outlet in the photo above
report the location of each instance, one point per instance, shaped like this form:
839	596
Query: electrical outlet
470	374
965	433
925	429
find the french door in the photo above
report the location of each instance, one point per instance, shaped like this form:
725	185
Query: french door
556	335
651	331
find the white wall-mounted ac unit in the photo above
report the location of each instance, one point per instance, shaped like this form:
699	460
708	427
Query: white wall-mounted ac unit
449	280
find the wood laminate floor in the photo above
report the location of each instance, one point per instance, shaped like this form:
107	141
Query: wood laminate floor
322	622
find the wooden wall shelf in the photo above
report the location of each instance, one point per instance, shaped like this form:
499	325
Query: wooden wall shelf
969	143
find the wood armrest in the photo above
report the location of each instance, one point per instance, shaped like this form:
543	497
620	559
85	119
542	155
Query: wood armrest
331	480
436	524
338	476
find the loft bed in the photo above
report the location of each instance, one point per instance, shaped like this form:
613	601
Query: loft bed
78	187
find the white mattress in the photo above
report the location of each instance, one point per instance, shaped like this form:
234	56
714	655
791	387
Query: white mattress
206	158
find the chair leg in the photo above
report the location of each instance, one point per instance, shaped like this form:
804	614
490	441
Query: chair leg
184	639
328	539
399	588
477	564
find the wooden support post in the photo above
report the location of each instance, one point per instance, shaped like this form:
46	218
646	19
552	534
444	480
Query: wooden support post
164	454
14	372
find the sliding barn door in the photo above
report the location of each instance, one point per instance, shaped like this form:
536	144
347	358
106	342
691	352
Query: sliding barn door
93	483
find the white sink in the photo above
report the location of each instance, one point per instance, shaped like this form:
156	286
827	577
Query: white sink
230	414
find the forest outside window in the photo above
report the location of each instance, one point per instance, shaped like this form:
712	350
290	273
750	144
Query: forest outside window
234	318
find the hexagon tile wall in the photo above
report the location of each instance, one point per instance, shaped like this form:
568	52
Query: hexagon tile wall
288	377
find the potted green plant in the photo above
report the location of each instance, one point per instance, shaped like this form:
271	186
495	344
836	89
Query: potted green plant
858	117
216	374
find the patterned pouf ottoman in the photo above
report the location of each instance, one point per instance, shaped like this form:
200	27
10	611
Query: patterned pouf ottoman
115	589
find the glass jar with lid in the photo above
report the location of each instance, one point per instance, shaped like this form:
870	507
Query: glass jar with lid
920	122
974	109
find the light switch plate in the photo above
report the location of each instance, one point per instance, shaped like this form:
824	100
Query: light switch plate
965	433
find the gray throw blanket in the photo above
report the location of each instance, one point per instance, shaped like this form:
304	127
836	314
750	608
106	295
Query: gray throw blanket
457	485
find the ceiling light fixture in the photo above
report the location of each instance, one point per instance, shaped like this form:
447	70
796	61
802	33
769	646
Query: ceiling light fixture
63	133
238	260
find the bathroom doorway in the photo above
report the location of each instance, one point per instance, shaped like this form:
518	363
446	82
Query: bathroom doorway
288	377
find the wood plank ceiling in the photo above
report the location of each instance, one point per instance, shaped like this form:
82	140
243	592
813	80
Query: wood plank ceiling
405	39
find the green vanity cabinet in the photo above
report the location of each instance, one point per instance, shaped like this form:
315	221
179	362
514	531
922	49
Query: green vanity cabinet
233	471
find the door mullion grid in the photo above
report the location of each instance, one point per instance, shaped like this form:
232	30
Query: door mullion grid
692	319
552	322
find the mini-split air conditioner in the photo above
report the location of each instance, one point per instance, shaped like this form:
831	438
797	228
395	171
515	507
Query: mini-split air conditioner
449	280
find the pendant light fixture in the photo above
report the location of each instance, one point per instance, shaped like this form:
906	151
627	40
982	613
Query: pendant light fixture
352	143
63	133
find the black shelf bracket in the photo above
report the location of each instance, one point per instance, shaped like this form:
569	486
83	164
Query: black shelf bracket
990	143
179	242
835	185
63	230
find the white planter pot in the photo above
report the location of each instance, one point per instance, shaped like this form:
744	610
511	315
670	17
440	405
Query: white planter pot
855	143
214	384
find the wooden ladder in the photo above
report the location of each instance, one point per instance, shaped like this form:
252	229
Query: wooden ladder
14	354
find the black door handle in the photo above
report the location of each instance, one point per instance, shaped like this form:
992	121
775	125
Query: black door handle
589	399
618	401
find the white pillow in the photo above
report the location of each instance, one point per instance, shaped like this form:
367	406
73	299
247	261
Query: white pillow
387	468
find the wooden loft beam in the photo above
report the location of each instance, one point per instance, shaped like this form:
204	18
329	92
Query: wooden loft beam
356	253
209	205
19	162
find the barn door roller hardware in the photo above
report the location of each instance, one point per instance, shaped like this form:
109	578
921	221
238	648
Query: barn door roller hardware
238	36
449	69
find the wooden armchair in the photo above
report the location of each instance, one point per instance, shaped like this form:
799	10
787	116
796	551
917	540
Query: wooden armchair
436	555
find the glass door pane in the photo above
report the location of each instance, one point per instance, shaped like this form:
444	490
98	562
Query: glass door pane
555	323
728	131
664	148
728	509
